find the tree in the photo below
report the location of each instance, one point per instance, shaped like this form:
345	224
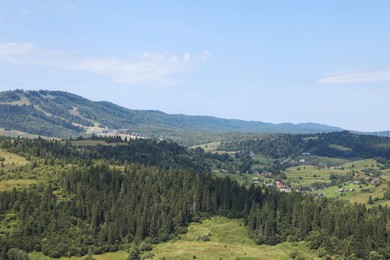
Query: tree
17	254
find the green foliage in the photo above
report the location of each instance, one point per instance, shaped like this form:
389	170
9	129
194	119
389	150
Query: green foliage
285	145
17	254
10	96
28	119
134	254
51	113
102	198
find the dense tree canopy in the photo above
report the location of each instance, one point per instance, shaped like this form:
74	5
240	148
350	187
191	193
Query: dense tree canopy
105	197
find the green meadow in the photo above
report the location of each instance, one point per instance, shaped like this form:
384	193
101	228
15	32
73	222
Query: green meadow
11	158
228	239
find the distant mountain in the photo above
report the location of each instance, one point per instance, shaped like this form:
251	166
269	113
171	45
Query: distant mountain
62	114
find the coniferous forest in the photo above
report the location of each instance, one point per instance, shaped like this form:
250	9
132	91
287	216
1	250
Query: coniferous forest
101	198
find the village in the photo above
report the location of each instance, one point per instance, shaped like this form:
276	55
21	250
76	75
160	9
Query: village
125	134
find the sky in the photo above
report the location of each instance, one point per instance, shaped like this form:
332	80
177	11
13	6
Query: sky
324	61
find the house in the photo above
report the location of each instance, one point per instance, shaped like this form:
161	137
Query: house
282	187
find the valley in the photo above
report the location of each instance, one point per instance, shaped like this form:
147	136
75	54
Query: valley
85	189
179	192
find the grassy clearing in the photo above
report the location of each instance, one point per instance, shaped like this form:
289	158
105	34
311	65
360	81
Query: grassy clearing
228	240
357	195
7	185
362	164
23	101
340	147
323	161
11	158
208	147
305	175
261	161
16	133
241	178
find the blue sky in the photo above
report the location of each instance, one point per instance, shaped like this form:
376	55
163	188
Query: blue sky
323	61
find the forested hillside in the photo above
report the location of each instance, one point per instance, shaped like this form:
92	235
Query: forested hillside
99	195
335	144
62	114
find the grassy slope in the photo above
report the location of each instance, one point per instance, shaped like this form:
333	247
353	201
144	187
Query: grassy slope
11	158
307	174
7	185
208	147
16	133
228	240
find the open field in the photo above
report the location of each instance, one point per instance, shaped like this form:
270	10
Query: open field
228	240
306	175
11	158
323	161
357	195
261	162
208	147
16	133
361	164
7	185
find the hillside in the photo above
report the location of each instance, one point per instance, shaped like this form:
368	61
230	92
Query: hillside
62	114
101	195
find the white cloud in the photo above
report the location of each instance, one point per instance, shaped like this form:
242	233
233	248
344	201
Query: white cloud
152	69
368	76
148	69
15	52
28	54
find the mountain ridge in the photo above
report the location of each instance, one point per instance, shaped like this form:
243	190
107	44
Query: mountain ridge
64	114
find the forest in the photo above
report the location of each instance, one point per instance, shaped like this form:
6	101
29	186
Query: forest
343	144
129	195
65	115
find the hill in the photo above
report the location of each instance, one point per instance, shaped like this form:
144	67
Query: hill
100	195
62	114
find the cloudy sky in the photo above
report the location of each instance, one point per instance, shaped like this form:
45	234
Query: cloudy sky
325	61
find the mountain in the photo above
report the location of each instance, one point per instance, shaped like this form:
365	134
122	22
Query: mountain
62	114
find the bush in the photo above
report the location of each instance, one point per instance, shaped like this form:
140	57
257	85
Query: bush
144	247
17	254
204	238
134	254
